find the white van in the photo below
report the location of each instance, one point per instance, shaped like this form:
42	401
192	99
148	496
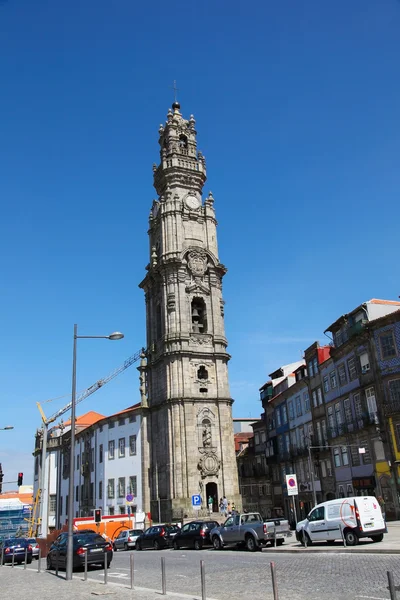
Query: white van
353	518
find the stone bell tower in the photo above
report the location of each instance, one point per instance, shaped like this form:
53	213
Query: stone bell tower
189	417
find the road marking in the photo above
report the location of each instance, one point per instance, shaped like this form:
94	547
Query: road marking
371	597
118	575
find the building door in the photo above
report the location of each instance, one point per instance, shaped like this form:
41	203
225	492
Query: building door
212	490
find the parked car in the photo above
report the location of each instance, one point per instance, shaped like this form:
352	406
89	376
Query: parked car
194	535
16	547
91	543
250	529
351	518
35	547
157	537
127	539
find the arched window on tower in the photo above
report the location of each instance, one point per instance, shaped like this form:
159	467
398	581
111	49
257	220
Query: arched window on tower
183	142
199	317
202	373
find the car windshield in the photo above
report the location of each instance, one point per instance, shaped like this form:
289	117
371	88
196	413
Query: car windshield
14	542
172	528
31	541
135	532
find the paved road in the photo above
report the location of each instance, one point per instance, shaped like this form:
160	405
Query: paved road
232	574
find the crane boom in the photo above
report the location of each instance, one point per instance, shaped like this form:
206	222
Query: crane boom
93	388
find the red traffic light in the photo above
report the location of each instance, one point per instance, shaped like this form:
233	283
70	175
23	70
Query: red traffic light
20	478
97	515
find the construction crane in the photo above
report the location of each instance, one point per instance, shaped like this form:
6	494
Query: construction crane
46	422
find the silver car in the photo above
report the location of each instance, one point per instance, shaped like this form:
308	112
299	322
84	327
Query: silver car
35	547
127	539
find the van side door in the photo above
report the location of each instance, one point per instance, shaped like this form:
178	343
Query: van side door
317	525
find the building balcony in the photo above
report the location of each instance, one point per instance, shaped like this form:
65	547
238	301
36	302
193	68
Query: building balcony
357	328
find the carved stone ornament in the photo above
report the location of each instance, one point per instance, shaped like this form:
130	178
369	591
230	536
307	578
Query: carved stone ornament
209	465
200	340
171	302
197	262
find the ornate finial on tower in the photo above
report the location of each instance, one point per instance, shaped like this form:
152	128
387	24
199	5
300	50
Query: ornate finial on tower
153	256
176	106
210	198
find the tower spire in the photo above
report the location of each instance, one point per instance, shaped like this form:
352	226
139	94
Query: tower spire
175	104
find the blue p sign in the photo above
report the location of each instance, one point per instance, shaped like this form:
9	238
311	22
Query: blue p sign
196	500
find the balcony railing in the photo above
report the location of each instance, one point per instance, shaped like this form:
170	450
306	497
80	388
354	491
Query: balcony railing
391	408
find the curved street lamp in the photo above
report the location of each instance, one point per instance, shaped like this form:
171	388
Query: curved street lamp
116	335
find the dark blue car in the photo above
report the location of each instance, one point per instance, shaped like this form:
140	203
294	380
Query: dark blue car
16	547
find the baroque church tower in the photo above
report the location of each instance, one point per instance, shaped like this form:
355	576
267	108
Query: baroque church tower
188	438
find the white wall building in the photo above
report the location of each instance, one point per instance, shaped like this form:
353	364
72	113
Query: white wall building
107	462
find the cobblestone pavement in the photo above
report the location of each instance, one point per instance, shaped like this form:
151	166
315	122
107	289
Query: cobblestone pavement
234	574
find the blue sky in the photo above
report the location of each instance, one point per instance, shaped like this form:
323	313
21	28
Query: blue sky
297	109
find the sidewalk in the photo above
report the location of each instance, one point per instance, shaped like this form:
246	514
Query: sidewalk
389	545
19	583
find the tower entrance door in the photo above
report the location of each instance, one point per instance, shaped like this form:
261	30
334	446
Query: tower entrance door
212	490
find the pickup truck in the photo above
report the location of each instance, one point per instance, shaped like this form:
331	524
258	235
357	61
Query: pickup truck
251	530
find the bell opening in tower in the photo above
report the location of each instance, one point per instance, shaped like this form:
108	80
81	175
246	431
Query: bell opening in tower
199	316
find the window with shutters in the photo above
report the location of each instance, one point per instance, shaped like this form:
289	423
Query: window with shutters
132	445
347	410
342	374
306	400
314	398
345	456
366	456
298	406
319	396
371	402
364	362
100	490
101	453
324	435
338	414
121	447
326	384
388	346
284	414
291	410
355	455
121	487
111	489
111	450
331	419
394	389
319	434
329	471
352	368
332	376
336	457
132	485
357	406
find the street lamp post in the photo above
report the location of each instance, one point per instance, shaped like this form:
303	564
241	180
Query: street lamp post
113	336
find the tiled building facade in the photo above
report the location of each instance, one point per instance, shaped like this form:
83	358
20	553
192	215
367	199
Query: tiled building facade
334	420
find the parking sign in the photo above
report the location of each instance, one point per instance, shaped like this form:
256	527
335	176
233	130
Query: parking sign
291	484
196	501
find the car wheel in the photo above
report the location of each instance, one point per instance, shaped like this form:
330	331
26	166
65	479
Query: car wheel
156	545
175	545
198	544
350	537
377	538
217	543
49	564
251	543
126	547
138	546
279	542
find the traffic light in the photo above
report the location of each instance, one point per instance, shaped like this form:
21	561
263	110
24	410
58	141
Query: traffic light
20	478
97	515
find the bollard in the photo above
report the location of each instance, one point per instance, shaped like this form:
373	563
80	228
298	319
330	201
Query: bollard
131	564
57	555
86	559
274	582
392	589
39	559
343	536
304	538
12	560
105	568
203	580
2	556
26	556
275	536
163	580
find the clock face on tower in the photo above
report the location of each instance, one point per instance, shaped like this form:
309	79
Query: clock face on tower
192	202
